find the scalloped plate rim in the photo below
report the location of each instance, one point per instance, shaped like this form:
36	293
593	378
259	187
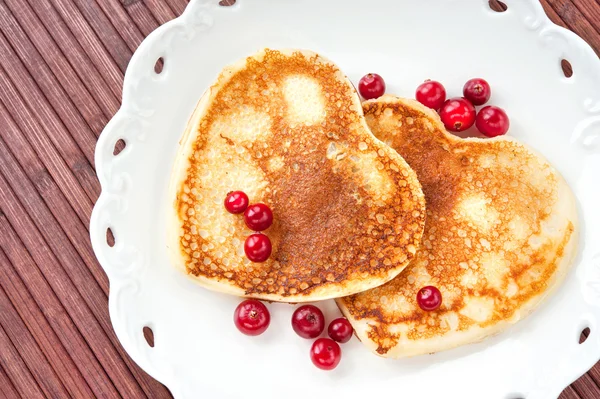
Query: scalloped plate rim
96	233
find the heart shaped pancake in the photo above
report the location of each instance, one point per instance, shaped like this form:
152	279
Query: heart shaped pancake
500	236
287	128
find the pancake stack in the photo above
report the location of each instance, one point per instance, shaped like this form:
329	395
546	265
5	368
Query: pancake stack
372	202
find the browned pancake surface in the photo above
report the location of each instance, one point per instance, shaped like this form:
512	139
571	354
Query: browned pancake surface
348	212
494	236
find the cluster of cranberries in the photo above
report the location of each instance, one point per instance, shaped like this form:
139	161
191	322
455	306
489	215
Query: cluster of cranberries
308	322
458	113
258	217
252	317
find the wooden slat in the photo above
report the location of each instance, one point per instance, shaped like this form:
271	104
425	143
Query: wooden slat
47	116
103	78
569	393
30	352
78	271
118	17
69	277
39	132
64	54
161	10
586	387
33	317
594	374
67	243
78	90
17	370
577	22
25	63
590	9
86	14
33	281
554	17
30	134
178	6
69	255
7	389
142	17
88	40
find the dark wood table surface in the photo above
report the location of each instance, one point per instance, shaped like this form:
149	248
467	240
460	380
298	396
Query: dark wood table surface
62	65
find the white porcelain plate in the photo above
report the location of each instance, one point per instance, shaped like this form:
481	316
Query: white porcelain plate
198	352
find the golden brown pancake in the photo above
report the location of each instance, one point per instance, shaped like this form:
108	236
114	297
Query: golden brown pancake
287	128
500	235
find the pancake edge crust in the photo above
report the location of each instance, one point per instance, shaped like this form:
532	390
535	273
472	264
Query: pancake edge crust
568	246
179	174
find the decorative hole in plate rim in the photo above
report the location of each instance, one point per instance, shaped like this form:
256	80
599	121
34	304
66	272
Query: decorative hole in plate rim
585	333
566	68
119	147
110	238
148	336
159	65
497	5
227	3
197	335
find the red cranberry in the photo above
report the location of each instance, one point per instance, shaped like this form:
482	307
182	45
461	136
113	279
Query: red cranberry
236	202
251	317
477	91
431	94
371	86
340	330
308	321
325	353
429	298
492	121
258	217
257	247
457	114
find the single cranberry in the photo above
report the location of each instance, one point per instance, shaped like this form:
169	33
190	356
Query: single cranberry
236	202
457	114
492	121
325	353
477	91
431	94
308	321
429	298
258	217
371	86
340	330
258	247
251	317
